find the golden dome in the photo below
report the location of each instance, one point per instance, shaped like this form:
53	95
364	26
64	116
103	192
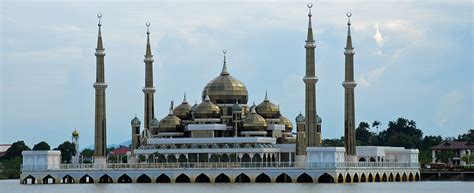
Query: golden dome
267	109
285	121
207	109
75	133
254	122
225	89
170	123
183	111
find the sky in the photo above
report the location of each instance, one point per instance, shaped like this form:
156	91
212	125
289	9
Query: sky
413	59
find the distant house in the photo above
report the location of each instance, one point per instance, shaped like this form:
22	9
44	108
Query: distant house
459	149
4	148
120	155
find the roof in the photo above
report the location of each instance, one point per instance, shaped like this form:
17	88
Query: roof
454	145
120	151
4	147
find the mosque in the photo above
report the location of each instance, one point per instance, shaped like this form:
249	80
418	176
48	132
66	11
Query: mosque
225	139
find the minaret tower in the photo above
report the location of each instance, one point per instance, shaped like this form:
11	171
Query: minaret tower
349	84
100	85
148	90
75	141
313	137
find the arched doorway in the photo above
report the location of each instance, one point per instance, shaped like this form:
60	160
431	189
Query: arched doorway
245	158
283	178
105	179
410	177
417	177
202	178
163	178
377	177
363	178
29	180
372	159
143	179
370	178
404	177
183	178
304	178
124	179
362	159
263	178
340	179
356	178
67	179
325	178
397	178
182	159
348	178
222	178
384	178
86	180
242	178
390	177
49	179
224	158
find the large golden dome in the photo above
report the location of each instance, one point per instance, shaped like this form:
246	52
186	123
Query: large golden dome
225	89
183	111
206	109
285	121
254	122
170	123
268	110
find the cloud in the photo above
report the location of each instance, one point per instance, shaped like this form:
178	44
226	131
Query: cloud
52	54
372	76
63	28
378	36
448	107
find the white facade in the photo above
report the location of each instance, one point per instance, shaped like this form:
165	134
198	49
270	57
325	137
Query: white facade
325	154
41	160
364	154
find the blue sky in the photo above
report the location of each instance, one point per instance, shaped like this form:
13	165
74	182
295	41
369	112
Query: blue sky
413	59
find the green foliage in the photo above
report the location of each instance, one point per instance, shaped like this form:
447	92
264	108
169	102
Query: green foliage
42	146
469	159
15	150
333	142
363	135
67	149
445	156
11	168
87	152
469	136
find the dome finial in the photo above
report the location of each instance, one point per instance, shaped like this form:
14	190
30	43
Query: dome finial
309	5
266	96
171	107
147	27
184	98
207	98
224	67
99	15
348	14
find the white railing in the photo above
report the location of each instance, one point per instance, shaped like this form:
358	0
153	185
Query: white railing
257	165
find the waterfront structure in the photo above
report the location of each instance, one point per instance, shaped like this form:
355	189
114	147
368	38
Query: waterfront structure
100	137
222	139
459	149
349	84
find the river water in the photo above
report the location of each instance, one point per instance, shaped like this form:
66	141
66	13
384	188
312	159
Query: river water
14	186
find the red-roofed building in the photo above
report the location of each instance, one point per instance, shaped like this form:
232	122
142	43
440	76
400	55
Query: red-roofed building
120	155
459	148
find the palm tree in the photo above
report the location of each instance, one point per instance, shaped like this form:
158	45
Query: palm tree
376	124
469	159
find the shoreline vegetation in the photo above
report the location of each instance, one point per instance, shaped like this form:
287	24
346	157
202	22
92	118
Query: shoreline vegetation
398	133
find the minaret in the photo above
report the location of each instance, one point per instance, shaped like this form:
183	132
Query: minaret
100	85
148	90
313	137
75	141
349	84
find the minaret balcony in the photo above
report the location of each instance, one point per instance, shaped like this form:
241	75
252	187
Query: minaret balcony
349	84
149	89
148	59
349	52
100	85
99	52
310	79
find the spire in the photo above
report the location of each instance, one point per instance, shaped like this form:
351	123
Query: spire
349	38
224	66
266	96
184	99
310	27
171	108
100	45
148	47
207	98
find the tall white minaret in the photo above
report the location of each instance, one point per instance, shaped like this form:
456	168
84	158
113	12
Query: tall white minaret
313	134
148	90
100	85
349	110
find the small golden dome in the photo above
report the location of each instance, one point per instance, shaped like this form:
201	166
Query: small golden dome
183	111
75	133
206	109
170	123
285	121
267	109
254	122
225	89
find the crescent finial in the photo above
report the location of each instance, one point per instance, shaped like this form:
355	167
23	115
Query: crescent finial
310	5
348	14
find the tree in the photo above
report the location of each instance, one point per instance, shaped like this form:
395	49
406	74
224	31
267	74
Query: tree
15	150
444	156
42	146
401	133
469	136
67	150
11	168
87	152
376	124
363	135
468	158
333	142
